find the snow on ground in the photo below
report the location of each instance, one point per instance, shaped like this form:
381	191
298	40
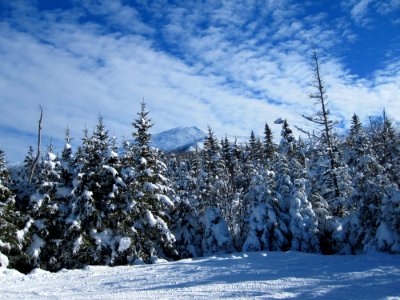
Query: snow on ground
266	275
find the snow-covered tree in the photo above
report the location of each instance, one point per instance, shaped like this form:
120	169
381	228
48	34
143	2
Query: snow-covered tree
388	232
87	236
329	161
213	195
266	229
269	145
303	224
10	245
67	161
152	206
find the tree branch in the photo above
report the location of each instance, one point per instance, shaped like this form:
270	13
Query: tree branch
39	142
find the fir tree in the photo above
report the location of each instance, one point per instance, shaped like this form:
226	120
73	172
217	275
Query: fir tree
47	212
153	206
212	192
269	146
10	245
67	160
388	232
93	185
266	229
303	224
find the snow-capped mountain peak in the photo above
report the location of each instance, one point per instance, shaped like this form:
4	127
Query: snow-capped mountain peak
178	139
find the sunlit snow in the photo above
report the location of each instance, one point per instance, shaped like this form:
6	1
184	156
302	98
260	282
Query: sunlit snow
271	275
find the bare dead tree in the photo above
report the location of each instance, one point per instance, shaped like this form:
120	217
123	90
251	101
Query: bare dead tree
39	142
321	119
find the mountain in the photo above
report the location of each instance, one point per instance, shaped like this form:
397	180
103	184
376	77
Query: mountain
178	139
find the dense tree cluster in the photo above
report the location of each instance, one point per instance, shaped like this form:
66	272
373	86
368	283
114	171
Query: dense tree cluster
105	204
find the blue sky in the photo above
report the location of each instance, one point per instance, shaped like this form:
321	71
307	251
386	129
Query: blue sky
233	65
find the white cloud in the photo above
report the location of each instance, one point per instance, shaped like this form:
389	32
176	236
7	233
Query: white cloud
388	6
234	73
359	12
364	12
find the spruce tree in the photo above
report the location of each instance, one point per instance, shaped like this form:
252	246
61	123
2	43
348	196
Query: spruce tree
152	205
47	211
303	224
67	160
388	232
266	230
88	236
269	146
10	245
213	196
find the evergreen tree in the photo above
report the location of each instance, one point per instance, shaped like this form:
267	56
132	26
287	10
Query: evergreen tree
186	223
358	229
22	187
283	188
303	224
10	245
153	206
88	236
390	141
213	197
388	232
97	206
266	229
269	146
47	212
287	145
255	149
67	161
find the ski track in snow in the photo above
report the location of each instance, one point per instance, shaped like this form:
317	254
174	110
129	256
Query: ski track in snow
258	275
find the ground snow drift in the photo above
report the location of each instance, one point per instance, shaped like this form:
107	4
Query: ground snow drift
268	275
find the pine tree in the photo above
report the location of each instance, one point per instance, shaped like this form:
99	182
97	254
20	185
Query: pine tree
10	246
88	239
287	145
4	173
153	206
269	146
266	229
388	232
390	140
233	207
369	181
303	224
186	223
213	195
255	148
283	189
67	160
46	209
23	188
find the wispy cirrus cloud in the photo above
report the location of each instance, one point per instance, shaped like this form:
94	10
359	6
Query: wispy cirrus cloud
233	65
364	12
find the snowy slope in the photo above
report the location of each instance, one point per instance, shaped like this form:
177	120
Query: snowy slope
182	139
272	275
178	139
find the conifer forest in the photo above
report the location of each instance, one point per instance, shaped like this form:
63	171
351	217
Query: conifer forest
108	203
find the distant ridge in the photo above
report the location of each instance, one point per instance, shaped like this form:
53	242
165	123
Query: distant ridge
179	139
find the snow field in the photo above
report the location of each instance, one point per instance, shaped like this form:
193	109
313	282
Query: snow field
258	275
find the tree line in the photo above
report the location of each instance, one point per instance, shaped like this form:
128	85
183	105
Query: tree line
109	204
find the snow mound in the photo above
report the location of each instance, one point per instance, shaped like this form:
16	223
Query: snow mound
3	261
